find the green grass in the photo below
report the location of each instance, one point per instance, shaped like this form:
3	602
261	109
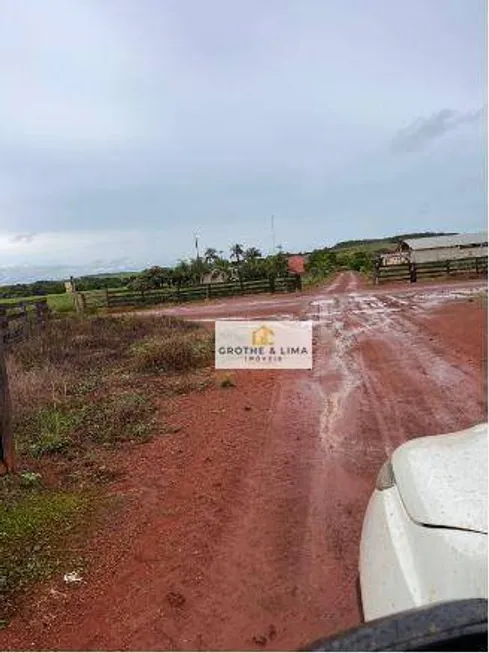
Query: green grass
71	429
60	303
33	537
51	431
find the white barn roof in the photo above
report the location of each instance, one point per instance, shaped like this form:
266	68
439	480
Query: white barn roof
434	242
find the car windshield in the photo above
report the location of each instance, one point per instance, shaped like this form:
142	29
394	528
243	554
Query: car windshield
243	319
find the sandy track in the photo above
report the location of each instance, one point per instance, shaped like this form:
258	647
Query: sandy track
267	490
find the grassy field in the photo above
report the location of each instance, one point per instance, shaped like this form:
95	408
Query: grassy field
61	303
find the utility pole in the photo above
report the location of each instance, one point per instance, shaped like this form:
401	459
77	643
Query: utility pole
197	246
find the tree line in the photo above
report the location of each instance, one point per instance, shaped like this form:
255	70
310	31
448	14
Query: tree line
322	262
242	264
49	287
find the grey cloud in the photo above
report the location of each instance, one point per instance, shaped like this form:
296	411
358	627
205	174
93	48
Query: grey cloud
425	130
175	117
22	238
122	262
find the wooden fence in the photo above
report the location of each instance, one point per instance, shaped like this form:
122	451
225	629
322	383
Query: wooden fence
413	272
20	320
91	301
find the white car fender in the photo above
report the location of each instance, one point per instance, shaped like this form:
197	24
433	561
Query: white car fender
405	565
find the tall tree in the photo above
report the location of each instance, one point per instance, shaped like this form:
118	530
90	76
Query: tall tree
197	269
237	253
252	253
211	255
277	265
181	273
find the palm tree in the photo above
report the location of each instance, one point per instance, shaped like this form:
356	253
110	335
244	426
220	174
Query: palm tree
237	252
211	255
252	253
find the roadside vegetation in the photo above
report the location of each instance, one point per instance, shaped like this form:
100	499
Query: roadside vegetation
322	263
83	392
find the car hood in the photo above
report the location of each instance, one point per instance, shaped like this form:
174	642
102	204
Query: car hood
442	479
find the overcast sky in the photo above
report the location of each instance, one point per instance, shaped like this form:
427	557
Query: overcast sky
128	125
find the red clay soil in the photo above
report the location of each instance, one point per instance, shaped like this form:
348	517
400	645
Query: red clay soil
240	531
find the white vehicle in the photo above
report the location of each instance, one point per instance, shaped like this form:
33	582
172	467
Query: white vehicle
424	537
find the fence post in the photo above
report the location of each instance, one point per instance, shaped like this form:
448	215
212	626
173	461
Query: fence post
3	325
78	302
25	320
40	316
208	291
7	450
376	272
477	265
271	282
412	273
447	268
107	301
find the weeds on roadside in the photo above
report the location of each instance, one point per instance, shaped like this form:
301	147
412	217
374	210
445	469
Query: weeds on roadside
177	353
76	393
48	431
123	418
227	381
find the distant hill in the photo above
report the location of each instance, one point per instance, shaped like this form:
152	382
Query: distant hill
388	240
108	275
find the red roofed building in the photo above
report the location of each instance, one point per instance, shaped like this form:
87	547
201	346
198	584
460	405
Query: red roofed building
295	264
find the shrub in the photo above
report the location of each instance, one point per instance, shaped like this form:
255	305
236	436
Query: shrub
83	343
227	381
177	353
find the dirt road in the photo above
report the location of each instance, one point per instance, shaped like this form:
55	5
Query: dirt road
241	530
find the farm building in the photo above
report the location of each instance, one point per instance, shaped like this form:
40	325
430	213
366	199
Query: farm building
444	248
394	258
219	276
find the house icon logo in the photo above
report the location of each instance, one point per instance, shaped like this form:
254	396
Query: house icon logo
262	337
